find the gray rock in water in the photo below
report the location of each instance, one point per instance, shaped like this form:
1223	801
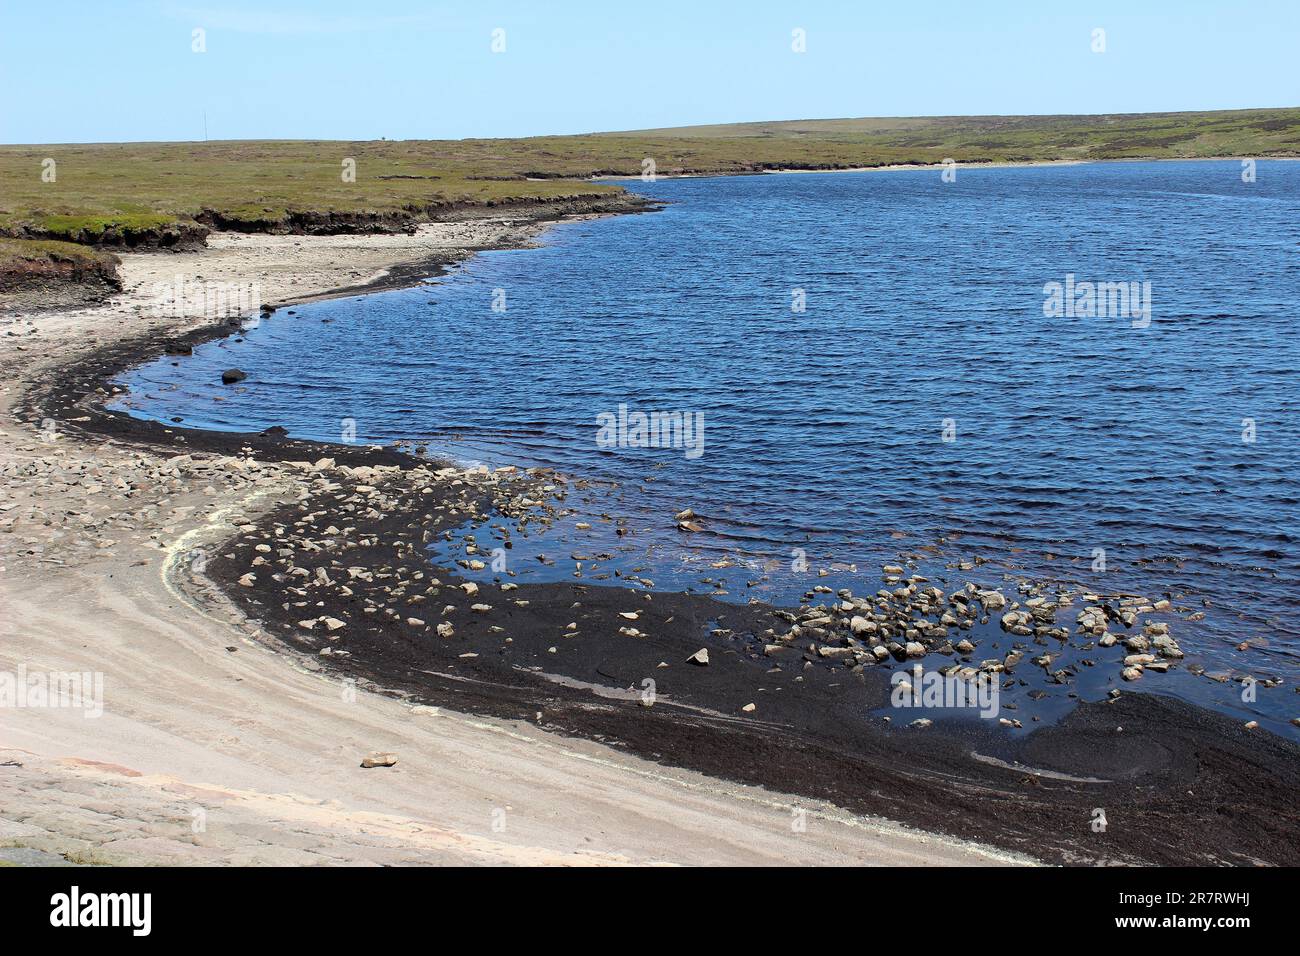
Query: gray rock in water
232	375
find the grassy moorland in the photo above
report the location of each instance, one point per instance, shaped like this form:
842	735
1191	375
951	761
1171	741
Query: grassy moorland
127	194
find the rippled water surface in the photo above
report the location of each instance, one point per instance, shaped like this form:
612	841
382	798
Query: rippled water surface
824	429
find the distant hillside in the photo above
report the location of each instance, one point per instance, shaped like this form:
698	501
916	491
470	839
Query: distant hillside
874	141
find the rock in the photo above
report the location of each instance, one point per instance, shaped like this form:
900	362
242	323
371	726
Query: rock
921	723
1017	622
248	579
1092	619
749	708
860	625
1252	724
1165	644
333	623
1132	673
915	649
414	622
992	600
445	629
378	759
700	658
232	375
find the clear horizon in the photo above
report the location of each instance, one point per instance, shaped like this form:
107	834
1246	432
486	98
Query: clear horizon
416	71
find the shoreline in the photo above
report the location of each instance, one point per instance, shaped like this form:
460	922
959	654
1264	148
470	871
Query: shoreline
698	721
967	165
890	168
208	717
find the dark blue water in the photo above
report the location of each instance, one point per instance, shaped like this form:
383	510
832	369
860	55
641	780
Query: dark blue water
824	429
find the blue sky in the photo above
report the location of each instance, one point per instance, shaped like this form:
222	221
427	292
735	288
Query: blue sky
95	71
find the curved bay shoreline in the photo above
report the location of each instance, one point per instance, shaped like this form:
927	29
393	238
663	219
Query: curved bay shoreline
1178	784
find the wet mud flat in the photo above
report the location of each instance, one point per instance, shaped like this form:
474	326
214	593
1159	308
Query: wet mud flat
344	577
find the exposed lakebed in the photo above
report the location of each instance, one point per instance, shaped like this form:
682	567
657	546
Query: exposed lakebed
824	429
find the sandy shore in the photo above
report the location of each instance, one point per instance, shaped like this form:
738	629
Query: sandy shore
893	168
966	165
217	744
